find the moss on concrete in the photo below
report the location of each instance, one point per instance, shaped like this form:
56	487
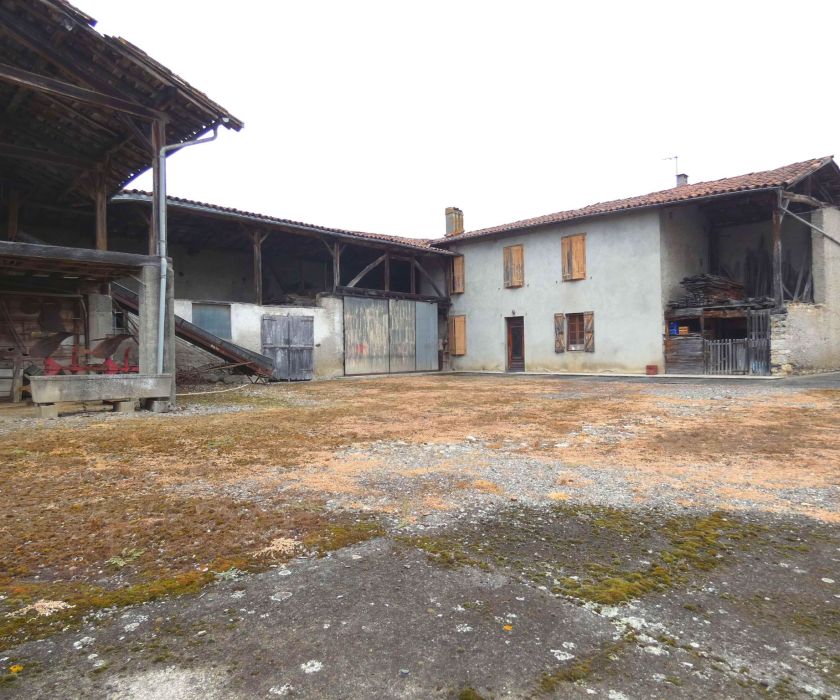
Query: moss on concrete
675	547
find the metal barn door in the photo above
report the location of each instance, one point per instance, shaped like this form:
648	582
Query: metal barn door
402	333
366	336
290	342
427	336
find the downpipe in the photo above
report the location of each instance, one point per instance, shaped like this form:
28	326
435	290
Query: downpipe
162	237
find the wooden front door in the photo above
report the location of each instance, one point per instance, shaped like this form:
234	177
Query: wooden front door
515	343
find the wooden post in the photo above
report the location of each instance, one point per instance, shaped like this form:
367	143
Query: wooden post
413	277
158	142
387	272
101	206
256	242
14	211
777	256
336	266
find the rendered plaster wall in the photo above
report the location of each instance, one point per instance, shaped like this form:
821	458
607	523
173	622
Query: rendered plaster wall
684	247
622	288
246	328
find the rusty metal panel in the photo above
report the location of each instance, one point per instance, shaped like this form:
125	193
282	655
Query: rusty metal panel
402	332
426	314
366	336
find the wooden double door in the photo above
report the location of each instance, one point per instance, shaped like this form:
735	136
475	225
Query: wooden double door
515	343
290	342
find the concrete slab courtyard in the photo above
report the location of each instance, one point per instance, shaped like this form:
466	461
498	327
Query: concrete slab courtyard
436	536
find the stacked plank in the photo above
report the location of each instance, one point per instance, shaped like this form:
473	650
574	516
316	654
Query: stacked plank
713	288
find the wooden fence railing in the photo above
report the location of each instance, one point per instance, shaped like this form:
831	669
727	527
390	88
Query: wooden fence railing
737	356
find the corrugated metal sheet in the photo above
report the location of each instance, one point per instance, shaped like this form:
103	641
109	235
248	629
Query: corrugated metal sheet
290	341
402	329
366	336
427	336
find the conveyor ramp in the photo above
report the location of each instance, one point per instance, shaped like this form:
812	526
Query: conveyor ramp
246	361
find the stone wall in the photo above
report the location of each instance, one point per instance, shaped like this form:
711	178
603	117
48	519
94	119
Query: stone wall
804	340
779	345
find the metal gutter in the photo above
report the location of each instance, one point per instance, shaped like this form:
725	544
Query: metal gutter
160	193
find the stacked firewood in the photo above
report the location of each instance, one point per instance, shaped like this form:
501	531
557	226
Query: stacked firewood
713	288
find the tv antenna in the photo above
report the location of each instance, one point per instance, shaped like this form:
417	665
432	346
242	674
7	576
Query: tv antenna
676	160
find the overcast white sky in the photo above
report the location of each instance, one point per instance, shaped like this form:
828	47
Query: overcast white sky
375	116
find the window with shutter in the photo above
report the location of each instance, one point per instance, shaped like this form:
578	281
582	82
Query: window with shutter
559	332
514	262
580	331
457	275
574	257
457	335
574	335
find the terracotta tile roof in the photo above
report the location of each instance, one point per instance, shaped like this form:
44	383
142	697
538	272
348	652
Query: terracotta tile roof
785	176
191	204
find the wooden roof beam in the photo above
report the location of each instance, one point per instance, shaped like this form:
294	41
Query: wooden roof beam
51	86
804	199
9	150
358	278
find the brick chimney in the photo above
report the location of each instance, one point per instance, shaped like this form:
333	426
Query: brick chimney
454	221
682	180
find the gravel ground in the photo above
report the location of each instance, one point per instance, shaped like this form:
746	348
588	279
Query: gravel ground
547	557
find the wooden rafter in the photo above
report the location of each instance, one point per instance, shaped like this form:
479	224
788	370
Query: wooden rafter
10	150
51	86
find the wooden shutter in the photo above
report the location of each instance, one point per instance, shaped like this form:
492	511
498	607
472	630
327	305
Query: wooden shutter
574	257
457	335
458	275
518	266
559	332
589	332
567	258
579	257
514	266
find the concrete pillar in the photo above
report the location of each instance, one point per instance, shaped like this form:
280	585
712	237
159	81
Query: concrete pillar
149	297
149	309
819	326
825	257
100	317
47	410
